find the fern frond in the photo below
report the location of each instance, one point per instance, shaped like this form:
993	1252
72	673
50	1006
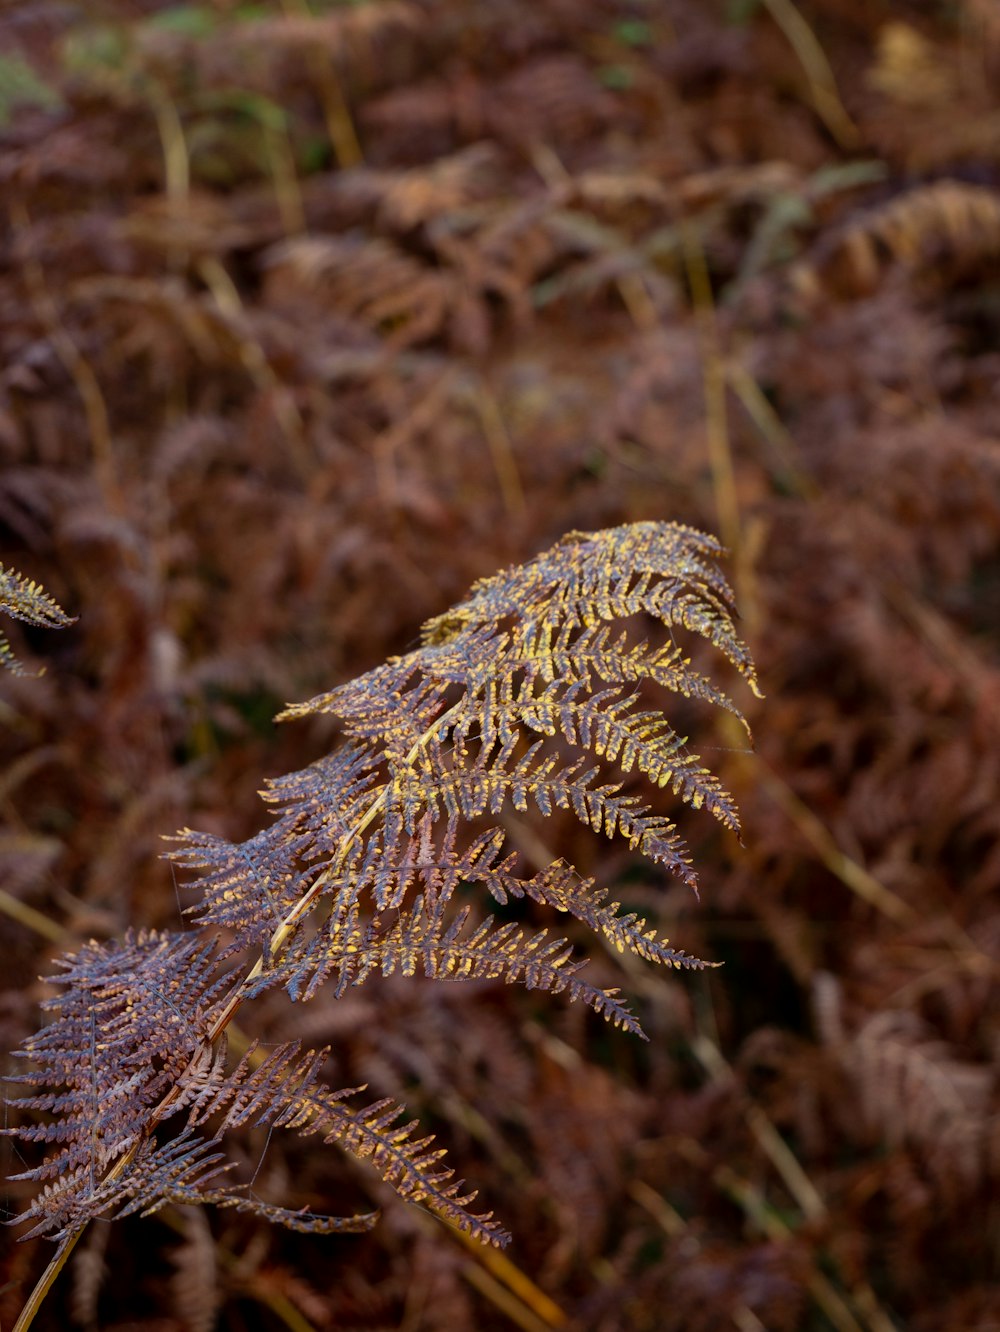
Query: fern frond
606	723
489	785
268	862
131	1017
301	1220
559	886
526	696
940	227
425	940
581	655
107	1113
132	1025
175	1171
284	1092
27	601
592	577
357	827
410	1165
421	941
327	799
645	740
384	706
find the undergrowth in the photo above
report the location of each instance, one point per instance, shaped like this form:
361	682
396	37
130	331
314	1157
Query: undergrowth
300	301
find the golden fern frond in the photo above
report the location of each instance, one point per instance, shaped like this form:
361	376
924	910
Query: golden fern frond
284	1091
606	723
266	862
583	655
590	577
528	695
27	601
421	940
501	778
559	886
410	1165
505	706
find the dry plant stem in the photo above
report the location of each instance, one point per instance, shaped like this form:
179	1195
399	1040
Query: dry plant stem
504	1284
673	1224
232	1007
502	1271
855	876
282	1308
280	1305
640	305
824	1293
288	192
31	919
720	452
822	84
340	126
720	455
176	159
258	367
501	453
78	368
45	1281
500	1297
859	880
806	1195
746	1320
772	428
422	416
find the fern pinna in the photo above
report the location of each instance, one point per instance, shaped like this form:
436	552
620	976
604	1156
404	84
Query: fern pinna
26	600
527	693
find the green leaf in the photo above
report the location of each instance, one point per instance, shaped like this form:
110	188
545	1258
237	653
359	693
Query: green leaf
21	85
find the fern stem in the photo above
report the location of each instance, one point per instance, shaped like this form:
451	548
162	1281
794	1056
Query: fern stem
719	449
44	1283
374	809
305	902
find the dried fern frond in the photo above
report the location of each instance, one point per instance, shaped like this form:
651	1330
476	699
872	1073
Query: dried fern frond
27	601
946	227
132	1020
132	1032
372	281
527	694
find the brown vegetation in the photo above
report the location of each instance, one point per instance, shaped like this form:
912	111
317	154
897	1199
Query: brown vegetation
312	314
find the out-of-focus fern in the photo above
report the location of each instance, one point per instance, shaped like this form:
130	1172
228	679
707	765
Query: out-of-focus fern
529	693
25	600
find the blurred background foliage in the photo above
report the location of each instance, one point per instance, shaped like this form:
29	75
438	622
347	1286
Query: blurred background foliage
311	313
